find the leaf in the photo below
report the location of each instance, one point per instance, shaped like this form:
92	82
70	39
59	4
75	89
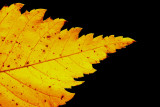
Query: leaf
38	60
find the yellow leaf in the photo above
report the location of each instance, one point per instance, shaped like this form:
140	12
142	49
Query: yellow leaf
38	60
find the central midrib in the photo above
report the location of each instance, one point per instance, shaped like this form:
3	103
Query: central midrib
50	59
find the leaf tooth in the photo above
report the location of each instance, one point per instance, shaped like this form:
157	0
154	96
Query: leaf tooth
88	38
98	38
12	6
19	5
40	14
74	32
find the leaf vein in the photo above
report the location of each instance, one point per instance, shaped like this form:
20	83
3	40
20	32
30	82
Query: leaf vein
28	86
15	42
16	95
48	60
38	42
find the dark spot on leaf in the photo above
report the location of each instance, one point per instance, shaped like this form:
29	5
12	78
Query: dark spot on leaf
44	50
16	104
49	86
62	97
8	66
3	38
27	62
44	100
19	56
48	36
59	38
46	45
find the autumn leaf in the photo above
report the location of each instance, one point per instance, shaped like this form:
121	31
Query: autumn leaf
38	60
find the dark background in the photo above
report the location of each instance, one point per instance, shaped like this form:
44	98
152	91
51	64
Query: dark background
120	79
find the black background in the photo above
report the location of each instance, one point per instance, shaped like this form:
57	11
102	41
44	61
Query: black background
119	80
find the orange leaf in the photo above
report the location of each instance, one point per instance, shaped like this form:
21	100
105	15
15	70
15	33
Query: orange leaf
38	61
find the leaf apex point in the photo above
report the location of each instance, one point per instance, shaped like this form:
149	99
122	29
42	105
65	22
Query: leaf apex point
112	36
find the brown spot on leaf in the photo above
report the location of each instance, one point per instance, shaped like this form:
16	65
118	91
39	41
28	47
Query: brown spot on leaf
3	38
27	62
44	50
62	97
59	38
19	56
48	37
